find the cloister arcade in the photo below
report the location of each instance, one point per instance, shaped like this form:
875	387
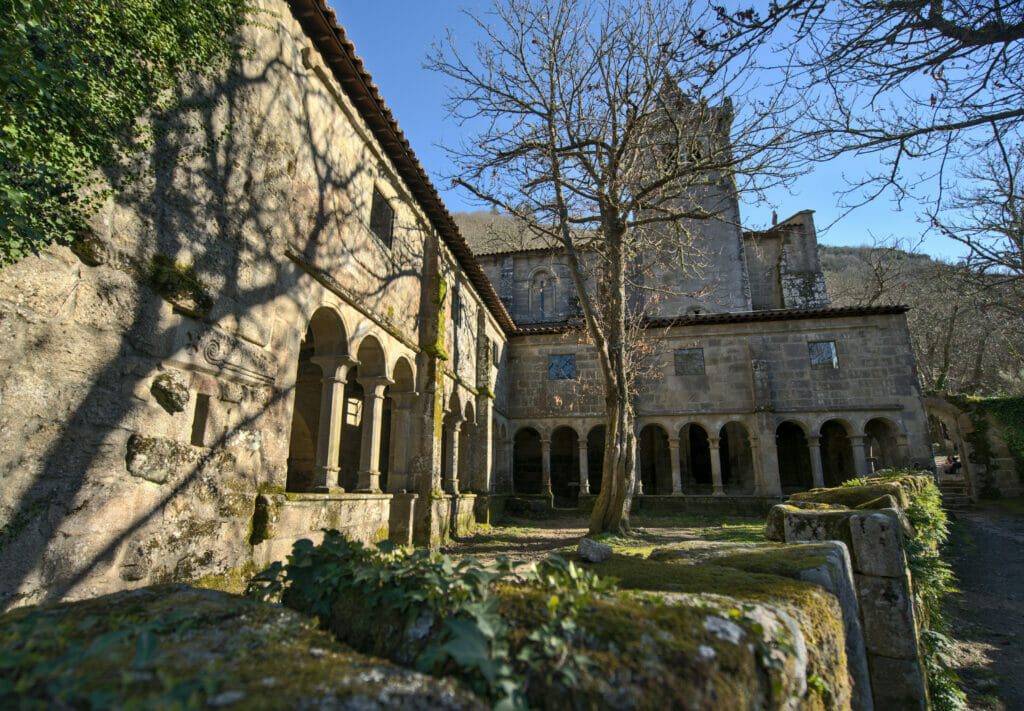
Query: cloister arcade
352	416
705	458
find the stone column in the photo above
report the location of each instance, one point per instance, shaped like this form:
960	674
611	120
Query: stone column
584	466
860	457
510	464
451	483
770	466
639	488
817	472
716	468
677	477
369	454
332	407
401	435
545	466
758	461
903	445
483	459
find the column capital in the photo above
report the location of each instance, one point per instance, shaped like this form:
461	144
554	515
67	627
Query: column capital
673	442
375	382
334	367
581	443
713	442
813	441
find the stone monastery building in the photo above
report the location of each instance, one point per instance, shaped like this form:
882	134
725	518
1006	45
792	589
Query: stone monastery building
288	332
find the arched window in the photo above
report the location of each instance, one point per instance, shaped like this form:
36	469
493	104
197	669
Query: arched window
542	293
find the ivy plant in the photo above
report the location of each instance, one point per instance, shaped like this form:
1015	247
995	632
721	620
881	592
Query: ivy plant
75	78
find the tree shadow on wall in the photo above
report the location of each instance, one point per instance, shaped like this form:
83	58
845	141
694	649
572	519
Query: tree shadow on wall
247	175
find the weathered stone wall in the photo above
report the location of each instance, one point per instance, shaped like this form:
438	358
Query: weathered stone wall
258	215
873	529
757	366
785	272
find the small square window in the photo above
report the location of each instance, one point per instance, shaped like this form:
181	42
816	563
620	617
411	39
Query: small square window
690	361
562	367
823	354
382	218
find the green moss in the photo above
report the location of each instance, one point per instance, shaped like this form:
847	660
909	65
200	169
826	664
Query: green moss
853	496
170	647
179	284
233	581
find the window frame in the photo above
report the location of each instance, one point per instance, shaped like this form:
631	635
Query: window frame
821	364
378	199
675	361
561	373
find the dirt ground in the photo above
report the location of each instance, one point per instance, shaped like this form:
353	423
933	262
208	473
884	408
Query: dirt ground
986	550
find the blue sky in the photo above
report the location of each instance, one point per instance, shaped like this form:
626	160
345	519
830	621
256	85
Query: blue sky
394	36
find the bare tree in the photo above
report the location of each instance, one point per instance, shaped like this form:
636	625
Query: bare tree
903	79
607	130
987	213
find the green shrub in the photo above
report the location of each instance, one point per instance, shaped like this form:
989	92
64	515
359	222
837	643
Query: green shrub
475	642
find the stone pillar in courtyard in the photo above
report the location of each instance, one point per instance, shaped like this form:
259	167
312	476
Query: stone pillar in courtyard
584	466
817	472
677	477
545	465
451	482
483	459
716	467
769	457
758	462
369	452
860	457
401	438
638	487
332	407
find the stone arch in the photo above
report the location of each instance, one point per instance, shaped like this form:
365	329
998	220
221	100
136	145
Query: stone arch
695	459
794	457
527	474
323	347
595	458
542	294
565	466
737	458
655	460
373	359
837	462
399	404
882	443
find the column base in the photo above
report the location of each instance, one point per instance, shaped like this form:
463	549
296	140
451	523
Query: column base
369	483
718	492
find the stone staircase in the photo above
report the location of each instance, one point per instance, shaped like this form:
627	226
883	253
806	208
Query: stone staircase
954	495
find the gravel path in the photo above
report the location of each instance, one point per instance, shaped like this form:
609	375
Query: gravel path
987	553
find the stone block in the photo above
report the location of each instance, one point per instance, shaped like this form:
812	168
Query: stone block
156	459
593	551
887	611
898	684
802	526
170	389
877	545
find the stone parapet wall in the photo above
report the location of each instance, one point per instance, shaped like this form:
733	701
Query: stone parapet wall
869	522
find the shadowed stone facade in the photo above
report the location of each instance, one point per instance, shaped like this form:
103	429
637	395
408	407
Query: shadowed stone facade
342	359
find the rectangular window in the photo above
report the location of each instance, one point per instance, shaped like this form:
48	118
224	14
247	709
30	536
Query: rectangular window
199	418
823	354
382	218
561	367
690	361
